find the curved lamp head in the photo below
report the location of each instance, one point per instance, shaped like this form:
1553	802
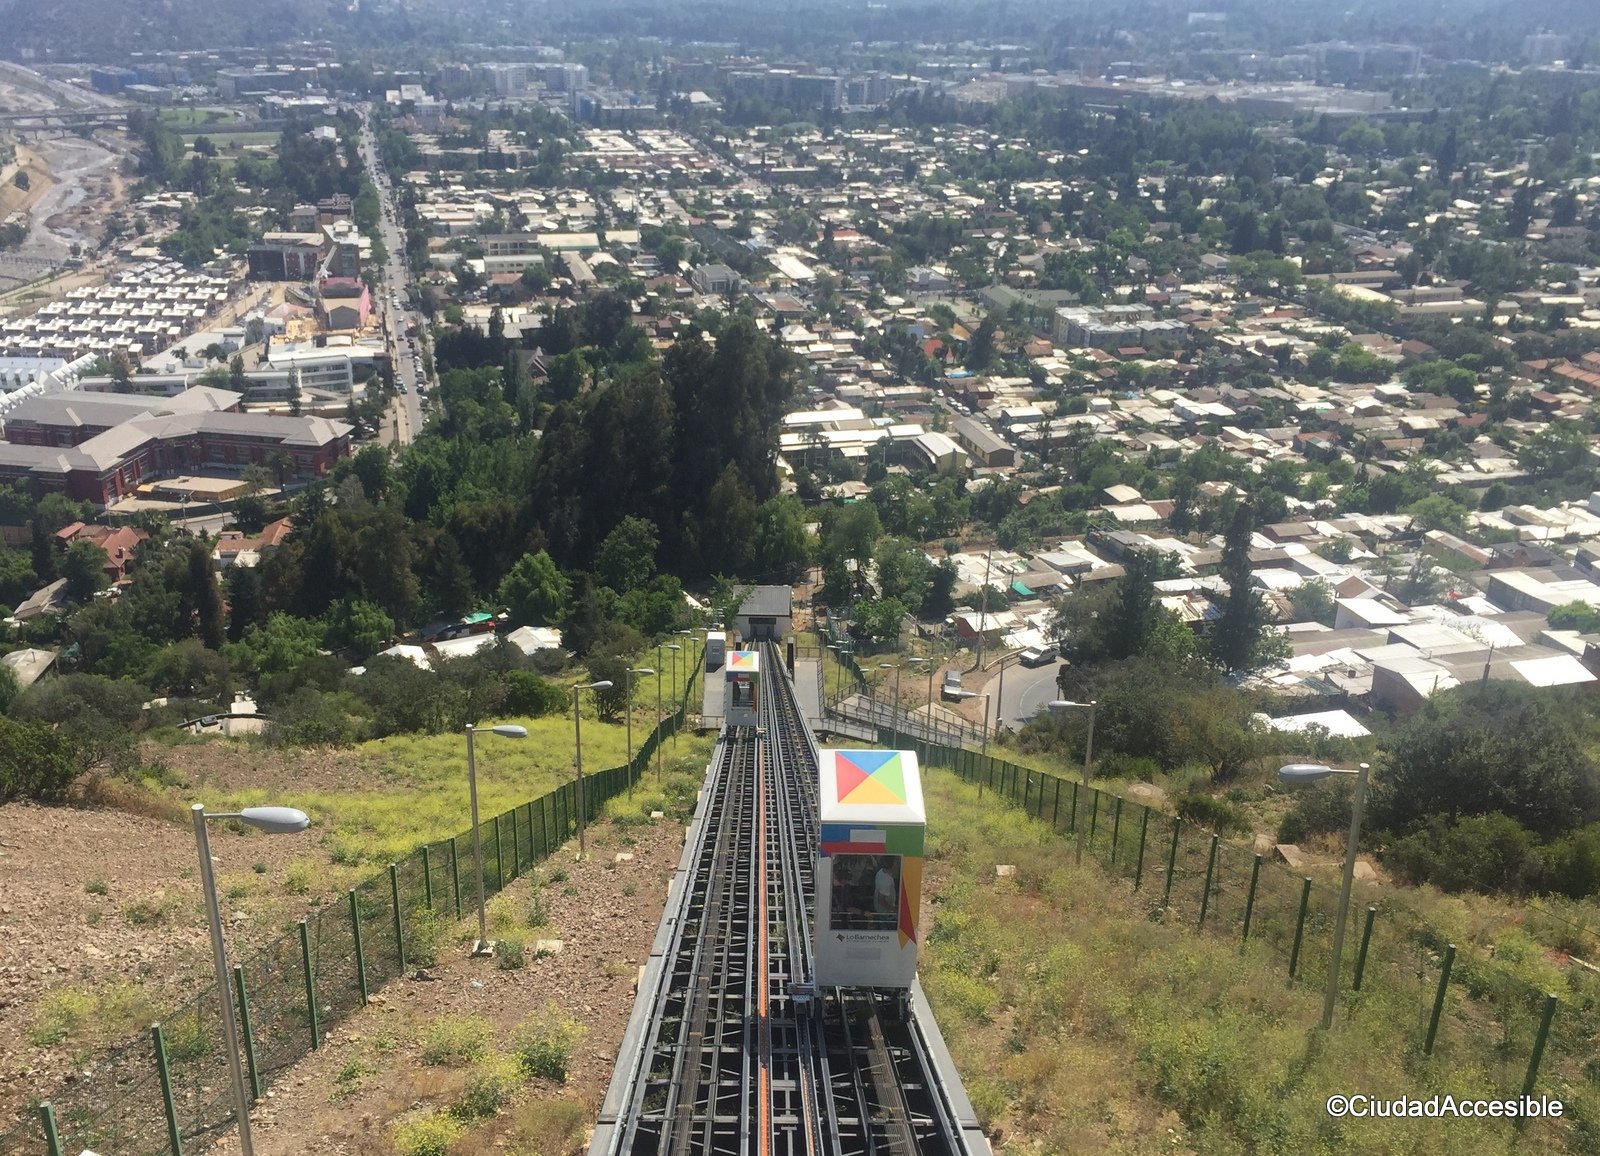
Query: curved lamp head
1297	774
641	670
276	820
510	731
603	684
673	646
1064	703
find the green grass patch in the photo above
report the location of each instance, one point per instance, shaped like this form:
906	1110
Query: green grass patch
429	1134
545	1042
1086	1017
456	1040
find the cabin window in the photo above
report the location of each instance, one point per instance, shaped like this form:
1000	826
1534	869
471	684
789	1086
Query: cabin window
866	893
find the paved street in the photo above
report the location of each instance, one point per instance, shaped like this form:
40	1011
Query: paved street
1026	691
404	420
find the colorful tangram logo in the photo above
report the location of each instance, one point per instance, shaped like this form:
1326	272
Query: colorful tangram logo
866	777
742	660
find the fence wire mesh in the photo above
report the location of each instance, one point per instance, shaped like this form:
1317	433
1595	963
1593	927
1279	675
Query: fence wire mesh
294	994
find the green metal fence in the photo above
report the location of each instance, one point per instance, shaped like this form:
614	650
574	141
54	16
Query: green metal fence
141	1100
1476	1013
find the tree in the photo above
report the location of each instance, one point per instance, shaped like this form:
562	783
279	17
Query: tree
1241	638
1437	512
35	762
1578	616
247	606
1478	749
1312	601
202	592
535	591
84	568
981	349
121	372
627	557
781	545
359	627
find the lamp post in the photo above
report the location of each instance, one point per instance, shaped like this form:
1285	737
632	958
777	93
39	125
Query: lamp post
577	731
931	727
1297	774
894	711
633	670
508	731
274	821
676	649
1088	757
962	696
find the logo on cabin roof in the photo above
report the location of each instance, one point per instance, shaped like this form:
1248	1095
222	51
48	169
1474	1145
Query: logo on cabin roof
869	777
742	660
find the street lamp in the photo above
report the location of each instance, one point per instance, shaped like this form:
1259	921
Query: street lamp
675	648
577	730
1299	774
633	670
508	731
688	672
1000	694
274	821
932	726
962	696
894	711
1088	756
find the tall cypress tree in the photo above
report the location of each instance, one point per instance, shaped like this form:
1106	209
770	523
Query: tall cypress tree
1237	635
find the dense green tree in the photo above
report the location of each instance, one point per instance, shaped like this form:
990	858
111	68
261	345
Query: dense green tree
358	627
1479	749
246	604
84	568
1243	637
627	557
203	593
535	591
782	546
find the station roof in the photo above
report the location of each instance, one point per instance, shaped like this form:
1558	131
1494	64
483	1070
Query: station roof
863	792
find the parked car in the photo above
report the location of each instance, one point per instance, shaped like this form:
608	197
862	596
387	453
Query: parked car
950	690
1037	656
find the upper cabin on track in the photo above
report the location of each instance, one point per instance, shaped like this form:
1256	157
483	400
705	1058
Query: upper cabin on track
742	707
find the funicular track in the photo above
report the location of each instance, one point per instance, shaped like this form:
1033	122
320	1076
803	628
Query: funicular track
730	1049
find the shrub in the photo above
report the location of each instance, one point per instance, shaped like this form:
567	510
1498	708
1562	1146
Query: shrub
61	1013
1317	811
490	1086
1213	814
453	1039
1477	853
509	956
97	887
427	1135
36	761
544	1044
1572	863
530	696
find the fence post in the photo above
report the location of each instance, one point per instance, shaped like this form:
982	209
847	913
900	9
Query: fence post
1361	956
249	1032
1538	1046
1250	900
399	931
1094	812
1116	829
1138	870
1072	815
1172	861
1300	927
1438	997
1027	790
427	878
516	847
311	984
174	1141
355	930
1055	808
47	1120
499	856
1211	866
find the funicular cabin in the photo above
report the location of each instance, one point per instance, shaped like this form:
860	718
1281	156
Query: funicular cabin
743	681
869	869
